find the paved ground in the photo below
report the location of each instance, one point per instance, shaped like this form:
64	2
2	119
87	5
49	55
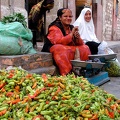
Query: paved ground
113	86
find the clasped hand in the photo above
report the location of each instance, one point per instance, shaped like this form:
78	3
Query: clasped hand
76	35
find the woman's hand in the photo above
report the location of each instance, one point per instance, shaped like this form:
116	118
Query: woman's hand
75	29
77	39
77	35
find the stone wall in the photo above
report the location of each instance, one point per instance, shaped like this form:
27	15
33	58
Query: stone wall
53	12
117	35
107	19
111	22
10	6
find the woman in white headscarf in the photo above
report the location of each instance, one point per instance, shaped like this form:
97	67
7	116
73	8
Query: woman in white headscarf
86	30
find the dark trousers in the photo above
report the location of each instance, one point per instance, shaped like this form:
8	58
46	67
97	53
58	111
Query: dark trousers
34	38
93	46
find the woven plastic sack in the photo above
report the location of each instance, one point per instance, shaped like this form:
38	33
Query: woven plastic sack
103	48
11	34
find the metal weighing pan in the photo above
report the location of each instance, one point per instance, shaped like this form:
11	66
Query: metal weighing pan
105	56
78	63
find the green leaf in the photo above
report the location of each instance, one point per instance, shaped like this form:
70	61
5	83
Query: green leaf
15	17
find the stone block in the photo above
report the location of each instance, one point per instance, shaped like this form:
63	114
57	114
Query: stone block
27	61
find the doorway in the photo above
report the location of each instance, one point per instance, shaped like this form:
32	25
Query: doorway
37	35
78	10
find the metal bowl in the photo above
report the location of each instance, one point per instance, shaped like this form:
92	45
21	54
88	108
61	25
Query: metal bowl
105	56
78	63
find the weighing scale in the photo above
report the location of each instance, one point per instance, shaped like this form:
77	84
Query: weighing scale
93	69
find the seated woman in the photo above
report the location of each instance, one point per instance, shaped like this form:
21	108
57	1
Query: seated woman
86	30
62	41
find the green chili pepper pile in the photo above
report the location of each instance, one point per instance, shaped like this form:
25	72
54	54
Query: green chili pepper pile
26	96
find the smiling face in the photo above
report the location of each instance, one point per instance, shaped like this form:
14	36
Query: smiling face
66	17
87	16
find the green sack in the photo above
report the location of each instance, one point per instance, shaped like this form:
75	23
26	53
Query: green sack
10	36
11	46
113	68
15	29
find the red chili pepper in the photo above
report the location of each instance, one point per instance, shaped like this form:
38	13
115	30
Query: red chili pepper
111	115
12	71
118	111
3	89
28	75
44	76
93	90
14	101
37	92
2	85
27	108
47	102
53	98
107	112
25	100
58	90
10	75
109	100
50	85
34	85
63	98
113	107
94	117
17	88
9	94
38	116
3	112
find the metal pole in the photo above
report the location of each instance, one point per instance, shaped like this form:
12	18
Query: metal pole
65	3
0	9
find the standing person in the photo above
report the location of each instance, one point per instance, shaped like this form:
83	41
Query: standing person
86	30
62	41
36	14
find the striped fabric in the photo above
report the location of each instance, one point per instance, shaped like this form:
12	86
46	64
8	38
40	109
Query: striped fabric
36	13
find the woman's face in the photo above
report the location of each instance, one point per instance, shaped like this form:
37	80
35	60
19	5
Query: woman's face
66	17
87	16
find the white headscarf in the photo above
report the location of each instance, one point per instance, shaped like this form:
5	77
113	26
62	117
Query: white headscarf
86	29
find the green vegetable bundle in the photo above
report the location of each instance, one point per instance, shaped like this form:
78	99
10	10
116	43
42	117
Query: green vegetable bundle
15	17
25	96
113	68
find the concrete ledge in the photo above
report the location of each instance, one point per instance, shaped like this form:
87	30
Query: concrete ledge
115	48
27	61
114	45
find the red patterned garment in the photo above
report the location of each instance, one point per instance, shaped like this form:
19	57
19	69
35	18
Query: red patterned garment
63	49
